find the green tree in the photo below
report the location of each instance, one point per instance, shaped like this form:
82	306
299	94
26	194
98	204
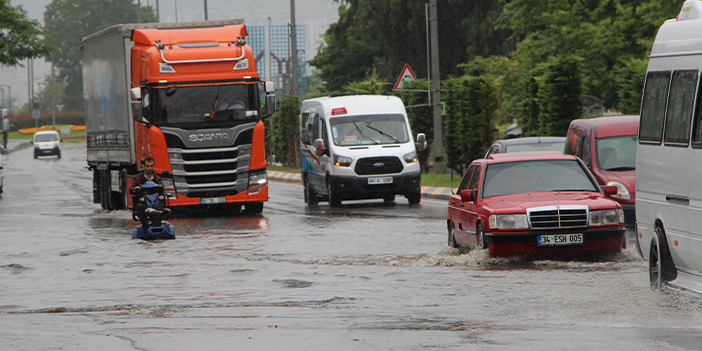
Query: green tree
69	21
421	118
372	85
560	96
630	78
20	37
286	132
529	107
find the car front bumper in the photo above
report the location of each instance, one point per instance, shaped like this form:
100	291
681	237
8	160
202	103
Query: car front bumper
525	244
357	187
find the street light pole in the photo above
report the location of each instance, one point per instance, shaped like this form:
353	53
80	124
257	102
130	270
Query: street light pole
293	56
436	90
205	9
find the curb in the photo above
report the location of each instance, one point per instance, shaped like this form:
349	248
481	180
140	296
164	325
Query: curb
428	192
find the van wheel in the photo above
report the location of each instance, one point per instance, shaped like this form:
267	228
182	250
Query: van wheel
451	238
310	195
415	198
332	194
661	268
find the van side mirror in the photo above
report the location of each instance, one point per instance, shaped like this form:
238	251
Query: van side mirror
610	189
421	142
319	147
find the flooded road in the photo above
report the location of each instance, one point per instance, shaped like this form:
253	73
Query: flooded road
365	276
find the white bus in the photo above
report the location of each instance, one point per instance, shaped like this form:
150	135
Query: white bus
669	154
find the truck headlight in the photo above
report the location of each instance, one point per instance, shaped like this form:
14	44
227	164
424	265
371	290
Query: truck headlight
168	185
606	217
622	192
508	221
257	178
342	161
410	157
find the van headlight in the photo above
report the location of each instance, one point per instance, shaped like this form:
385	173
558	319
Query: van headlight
342	161
622	192
257	178
508	221
606	217
410	157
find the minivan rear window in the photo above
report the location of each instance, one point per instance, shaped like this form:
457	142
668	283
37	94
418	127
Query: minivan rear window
653	106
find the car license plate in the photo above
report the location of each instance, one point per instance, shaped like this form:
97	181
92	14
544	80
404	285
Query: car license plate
560	239
380	180
213	200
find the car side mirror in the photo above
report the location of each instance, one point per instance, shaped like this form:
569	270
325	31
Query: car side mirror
421	142
468	195
319	147
610	189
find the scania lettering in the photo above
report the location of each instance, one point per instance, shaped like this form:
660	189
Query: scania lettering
186	94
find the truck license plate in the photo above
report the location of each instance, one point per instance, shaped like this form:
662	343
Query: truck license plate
380	180
212	200
560	239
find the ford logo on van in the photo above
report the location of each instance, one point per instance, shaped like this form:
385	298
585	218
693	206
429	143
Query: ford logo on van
379	164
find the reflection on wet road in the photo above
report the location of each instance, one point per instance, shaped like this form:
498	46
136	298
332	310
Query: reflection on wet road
363	276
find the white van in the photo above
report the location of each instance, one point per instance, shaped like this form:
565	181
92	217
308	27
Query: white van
47	143
358	147
669	154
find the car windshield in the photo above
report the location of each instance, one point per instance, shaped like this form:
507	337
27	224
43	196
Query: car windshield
46	137
202	106
535	176
536	147
369	129
617	153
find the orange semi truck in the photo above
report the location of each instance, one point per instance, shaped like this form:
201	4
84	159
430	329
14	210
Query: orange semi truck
186	94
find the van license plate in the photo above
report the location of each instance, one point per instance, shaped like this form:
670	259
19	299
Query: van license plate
213	200
381	180
560	239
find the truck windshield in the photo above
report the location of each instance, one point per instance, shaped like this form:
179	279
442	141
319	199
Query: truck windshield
212	106
369	129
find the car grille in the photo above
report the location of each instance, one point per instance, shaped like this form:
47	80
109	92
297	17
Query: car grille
558	218
378	165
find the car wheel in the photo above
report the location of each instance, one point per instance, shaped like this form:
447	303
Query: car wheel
661	268
253	207
390	198
332	194
310	195
59	154
480	233
451	238
415	197
35	154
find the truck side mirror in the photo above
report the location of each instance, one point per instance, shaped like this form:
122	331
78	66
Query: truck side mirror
319	147
421	142
270	87
270	103
136	111
4	113
6	125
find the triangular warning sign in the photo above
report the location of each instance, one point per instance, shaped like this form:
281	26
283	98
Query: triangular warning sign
405	76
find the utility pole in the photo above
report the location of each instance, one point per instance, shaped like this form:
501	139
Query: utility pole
138	11
436	90
158	16
268	51
205	10
293	56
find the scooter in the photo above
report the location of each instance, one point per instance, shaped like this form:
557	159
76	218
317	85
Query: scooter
156	213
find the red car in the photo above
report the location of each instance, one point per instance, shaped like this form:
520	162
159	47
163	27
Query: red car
534	204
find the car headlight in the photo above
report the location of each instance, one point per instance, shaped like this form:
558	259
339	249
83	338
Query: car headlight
510	221
257	179
622	192
342	161
410	157
606	217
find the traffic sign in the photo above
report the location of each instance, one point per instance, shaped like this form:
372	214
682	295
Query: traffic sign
405	76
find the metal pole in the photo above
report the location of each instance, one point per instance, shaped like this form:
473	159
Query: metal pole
53	96
205	10
158	16
293	54
426	22
29	86
138	11
436	90
268	52
9	105
176	9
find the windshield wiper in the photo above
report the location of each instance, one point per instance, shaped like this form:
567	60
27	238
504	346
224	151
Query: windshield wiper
214	108
363	135
623	168
383	133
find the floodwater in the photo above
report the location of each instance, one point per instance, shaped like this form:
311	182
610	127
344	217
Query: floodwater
366	276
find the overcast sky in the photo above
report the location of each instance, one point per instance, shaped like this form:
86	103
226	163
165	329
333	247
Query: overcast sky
315	15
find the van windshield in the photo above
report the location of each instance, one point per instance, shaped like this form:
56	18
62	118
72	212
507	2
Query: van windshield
369	129
46	137
617	153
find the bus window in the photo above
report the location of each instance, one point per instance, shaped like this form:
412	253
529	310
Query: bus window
680	105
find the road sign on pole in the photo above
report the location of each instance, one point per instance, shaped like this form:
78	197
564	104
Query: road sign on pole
406	75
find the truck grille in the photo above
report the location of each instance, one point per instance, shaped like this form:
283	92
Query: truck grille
558	218
378	165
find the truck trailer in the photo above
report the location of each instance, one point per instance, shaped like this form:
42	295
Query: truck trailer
186	94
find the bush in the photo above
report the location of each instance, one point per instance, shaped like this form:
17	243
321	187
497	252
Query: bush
25	120
421	119
285	132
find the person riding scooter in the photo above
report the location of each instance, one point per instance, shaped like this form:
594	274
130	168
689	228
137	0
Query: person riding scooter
136	189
